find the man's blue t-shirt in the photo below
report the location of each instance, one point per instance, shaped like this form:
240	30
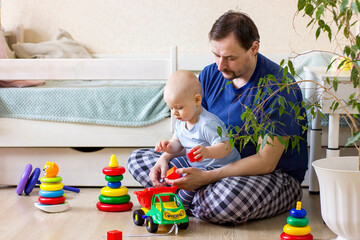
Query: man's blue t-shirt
228	104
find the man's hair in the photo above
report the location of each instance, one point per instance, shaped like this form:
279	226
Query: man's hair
238	23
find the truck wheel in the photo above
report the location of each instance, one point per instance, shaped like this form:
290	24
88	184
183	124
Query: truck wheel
150	225
183	226
137	217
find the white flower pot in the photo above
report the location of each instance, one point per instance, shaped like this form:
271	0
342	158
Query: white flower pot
339	182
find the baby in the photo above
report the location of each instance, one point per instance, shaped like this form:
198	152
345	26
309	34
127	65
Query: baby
195	128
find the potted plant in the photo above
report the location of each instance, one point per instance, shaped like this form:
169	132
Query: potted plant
339	177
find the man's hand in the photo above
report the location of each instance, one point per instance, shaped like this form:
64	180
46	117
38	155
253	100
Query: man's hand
192	178
159	172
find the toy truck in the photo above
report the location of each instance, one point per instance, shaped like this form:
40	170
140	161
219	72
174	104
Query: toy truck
160	206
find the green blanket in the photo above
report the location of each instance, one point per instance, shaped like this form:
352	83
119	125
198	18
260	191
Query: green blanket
122	105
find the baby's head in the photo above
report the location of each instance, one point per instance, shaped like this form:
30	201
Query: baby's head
183	93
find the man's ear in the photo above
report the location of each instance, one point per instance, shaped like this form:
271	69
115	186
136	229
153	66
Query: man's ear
255	48
197	99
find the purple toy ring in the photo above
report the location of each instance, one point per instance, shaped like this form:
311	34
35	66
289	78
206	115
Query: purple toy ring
23	180
32	181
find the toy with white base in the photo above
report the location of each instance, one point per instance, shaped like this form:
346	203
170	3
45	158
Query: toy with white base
51	194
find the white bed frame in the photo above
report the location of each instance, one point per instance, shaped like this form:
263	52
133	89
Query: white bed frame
35	142
31	141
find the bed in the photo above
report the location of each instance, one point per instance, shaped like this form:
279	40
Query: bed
81	147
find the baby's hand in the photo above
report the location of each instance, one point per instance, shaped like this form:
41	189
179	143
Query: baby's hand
162	146
200	153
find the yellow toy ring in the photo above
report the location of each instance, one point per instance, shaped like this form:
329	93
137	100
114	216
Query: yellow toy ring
297	231
114	192
51	186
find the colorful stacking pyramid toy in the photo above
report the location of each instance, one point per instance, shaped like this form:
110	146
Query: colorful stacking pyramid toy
114	197
297	227
51	194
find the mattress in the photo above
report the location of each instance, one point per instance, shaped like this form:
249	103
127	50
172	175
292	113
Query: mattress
114	102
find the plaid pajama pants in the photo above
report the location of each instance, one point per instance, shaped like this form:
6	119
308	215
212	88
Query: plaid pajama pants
232	200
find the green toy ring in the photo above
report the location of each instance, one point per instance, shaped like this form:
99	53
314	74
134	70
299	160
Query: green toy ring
114	178
297	222
51	180
114	200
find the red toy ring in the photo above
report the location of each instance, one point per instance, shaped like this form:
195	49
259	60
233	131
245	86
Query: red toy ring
113	171
51	201
114	207
285	236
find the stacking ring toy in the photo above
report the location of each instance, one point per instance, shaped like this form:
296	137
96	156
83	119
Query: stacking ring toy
113	171
114	184
51	186
51	201
24	178
27	182
297	231
114	178
114	208
297	222
51	194
51	180
114	200
114	192
285	236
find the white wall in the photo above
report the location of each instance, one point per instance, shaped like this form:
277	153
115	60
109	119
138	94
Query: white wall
151	26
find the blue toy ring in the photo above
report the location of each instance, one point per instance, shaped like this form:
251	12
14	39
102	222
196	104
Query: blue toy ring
23	180
32	181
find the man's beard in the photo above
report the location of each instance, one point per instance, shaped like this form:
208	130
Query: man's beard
230	75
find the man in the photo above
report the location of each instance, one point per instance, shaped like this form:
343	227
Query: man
263	183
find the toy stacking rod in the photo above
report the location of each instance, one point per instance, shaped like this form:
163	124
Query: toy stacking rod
27	182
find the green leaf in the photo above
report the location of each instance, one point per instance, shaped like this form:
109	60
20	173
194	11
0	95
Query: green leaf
346	32
282	62
301	4
232	143
352	96
328	29
281	140
351	140
343	6
347	51
335	83
312	20
264	141
219	131
320	11
336	105
317	34
355	76
355	7
309	9
291	67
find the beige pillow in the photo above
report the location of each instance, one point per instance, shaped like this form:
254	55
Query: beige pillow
62	46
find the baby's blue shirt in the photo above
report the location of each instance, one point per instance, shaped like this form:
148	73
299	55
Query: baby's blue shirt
204	133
